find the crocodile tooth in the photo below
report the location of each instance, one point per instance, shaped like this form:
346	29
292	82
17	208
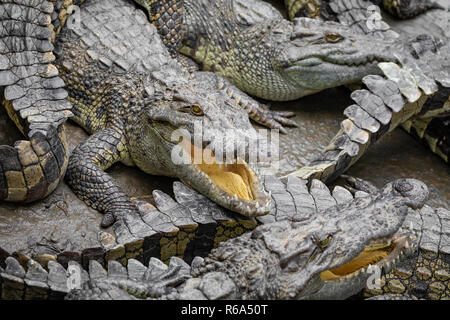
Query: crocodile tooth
410	226
257	205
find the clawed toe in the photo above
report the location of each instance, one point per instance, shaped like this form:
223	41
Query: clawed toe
357	184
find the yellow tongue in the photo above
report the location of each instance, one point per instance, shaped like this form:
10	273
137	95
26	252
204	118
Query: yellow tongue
231	178
364	259
231	183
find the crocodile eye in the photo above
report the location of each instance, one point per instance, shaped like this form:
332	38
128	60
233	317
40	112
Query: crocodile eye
333	37
196	110
324	243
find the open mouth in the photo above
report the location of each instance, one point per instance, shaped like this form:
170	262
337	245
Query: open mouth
382	253
338	60
234	186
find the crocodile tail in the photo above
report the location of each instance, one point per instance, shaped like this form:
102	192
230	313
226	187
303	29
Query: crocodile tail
433	132
32	169
33	95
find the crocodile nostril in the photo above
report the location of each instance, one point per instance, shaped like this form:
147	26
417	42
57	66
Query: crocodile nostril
403	186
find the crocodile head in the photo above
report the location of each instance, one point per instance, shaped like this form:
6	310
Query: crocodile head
322	54
337	245
200	137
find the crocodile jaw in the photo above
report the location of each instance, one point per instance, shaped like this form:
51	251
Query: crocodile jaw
383	254
235	186
312	75
377	254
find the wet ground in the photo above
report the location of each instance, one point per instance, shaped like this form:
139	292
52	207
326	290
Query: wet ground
63	222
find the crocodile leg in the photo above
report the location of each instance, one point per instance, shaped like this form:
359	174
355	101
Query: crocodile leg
256	111
86	176
167	16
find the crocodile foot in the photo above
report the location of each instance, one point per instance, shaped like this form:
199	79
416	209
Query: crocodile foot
358	184
276	119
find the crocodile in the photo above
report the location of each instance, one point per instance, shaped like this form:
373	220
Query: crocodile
425	99
289	259
424	115
134	99
276	59
34	96
425	273
420	89
403	9
120	225
298	212
222	44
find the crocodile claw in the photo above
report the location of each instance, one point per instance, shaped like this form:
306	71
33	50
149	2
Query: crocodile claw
357	184
277	119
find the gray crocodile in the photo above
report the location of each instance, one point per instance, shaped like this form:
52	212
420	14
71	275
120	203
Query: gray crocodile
414	94
299	214
410	96
133	98
285	259
33	93
123	228
274	59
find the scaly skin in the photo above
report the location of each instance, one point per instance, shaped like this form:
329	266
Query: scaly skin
410	273
403	9
412	94
184	227
277	59
433	132
33	93
280	260
425	274
34	98
132	98
167	16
